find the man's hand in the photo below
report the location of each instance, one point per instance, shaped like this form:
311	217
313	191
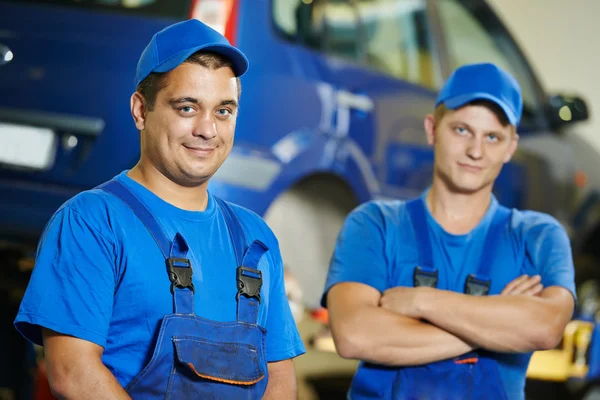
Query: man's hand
524	285
402	300
406	300
364	330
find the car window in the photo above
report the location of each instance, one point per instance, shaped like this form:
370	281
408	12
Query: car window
286	14
472	36
390	36
326	25
157	8
398	41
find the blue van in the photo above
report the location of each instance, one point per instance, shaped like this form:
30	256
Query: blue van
331	113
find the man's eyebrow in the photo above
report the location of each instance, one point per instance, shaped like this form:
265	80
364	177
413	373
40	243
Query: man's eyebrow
183	100
229	103
470	129
462	124
495	132
193	100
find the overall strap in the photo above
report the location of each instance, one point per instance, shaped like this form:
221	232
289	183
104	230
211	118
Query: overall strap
425	274
238	237
479	283
248	276
179	268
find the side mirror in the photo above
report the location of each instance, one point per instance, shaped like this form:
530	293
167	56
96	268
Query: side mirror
565	109
309	31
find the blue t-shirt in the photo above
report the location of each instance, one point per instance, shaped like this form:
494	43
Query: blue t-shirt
100	276
377	247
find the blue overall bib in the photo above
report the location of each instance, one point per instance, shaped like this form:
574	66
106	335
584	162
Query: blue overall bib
197	358
472	376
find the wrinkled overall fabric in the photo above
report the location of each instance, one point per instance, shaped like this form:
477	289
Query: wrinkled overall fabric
197	358
472	376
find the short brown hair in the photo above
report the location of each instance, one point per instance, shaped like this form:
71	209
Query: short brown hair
156	81
441	110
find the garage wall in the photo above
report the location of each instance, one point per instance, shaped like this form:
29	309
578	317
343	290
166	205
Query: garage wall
560	39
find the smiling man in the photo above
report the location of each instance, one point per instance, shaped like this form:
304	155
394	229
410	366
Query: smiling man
150	287
446	296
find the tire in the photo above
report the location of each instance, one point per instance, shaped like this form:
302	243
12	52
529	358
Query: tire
306	220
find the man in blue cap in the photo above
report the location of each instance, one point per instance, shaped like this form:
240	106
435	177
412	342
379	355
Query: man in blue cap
150	287
445	296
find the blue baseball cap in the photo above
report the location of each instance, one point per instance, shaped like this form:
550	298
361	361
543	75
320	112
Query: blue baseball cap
483	81
175	43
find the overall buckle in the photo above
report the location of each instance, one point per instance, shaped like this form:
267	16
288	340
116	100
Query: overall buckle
477	286
249	282
180	273
425	276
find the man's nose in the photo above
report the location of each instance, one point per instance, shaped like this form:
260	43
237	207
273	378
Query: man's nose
475	149
206	127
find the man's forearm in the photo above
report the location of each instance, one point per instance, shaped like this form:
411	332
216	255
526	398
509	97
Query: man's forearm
90	380
499	323
280	390
380	336
282	381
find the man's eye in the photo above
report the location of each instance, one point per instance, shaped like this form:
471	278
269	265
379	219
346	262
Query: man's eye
223	112
460	130
186	109
492	138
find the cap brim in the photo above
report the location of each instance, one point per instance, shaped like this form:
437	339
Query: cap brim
238	59
459	101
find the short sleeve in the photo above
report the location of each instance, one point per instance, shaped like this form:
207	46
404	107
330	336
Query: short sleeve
72	284
283	339
548	248
360	251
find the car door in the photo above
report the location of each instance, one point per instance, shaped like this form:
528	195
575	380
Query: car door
385	87
399	47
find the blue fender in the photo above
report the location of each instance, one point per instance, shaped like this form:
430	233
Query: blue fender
254	179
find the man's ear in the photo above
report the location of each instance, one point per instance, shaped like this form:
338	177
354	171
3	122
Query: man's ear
138	110
512	147
430	125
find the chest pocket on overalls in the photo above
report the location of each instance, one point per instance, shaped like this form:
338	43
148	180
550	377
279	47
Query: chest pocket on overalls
197	358
474	375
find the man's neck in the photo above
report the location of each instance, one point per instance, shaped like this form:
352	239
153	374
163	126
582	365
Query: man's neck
187	198
457	213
